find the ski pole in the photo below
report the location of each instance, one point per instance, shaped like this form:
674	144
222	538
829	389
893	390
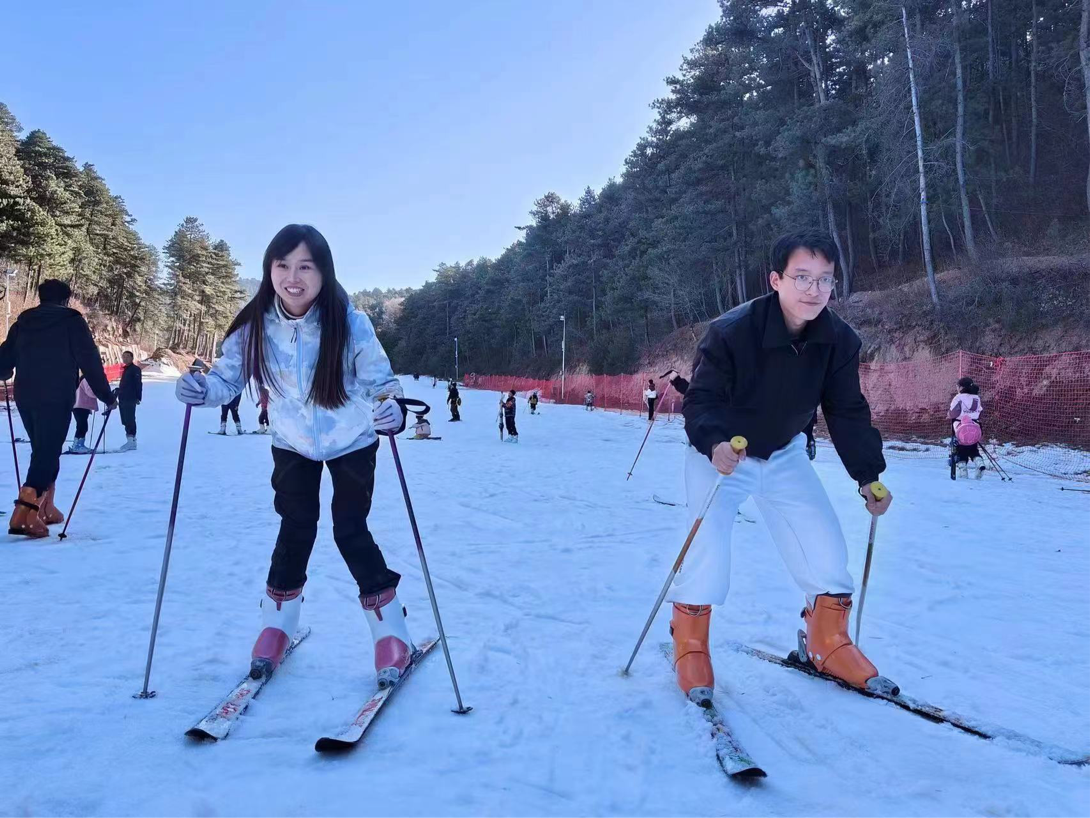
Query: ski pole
879	492
86	472
462	709
1003	475
738	443
145	693
650	426
11	426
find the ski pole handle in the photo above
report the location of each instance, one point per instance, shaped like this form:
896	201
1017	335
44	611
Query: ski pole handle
879	491
739	443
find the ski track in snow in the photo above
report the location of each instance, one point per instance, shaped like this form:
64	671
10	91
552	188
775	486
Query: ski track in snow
546	563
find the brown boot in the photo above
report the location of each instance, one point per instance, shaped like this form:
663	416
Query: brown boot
24	520
692	662
49	513
828	646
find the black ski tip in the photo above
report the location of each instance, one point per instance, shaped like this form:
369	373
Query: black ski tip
199	734
750	774
332	745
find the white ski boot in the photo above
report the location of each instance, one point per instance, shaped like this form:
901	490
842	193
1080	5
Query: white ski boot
978	468
963	471
129	445
223	428
393	646
280	618
238	428
79	446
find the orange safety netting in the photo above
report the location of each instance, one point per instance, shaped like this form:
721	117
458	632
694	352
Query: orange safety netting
1036	407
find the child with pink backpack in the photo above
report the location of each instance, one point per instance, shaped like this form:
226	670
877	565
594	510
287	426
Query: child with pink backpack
964	413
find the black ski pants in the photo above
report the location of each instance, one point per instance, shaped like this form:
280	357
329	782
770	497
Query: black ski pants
651	408
510	421
81	416
128	416
47	426
296	481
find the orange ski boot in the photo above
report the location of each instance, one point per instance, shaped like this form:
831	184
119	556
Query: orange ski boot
692	662
827	646
24	520
49	513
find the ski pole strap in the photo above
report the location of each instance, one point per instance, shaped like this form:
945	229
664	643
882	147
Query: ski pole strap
408	403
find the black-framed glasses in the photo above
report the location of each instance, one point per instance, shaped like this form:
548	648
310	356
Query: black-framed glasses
804	282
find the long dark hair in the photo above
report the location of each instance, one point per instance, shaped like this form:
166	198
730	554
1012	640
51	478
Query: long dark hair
327	386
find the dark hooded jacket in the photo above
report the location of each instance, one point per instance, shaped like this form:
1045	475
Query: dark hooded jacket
48	346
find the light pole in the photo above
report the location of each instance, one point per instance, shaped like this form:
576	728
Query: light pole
456	359
563	354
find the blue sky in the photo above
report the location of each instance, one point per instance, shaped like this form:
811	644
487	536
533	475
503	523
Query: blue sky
409	134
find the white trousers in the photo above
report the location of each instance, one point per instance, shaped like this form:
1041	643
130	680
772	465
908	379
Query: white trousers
795	508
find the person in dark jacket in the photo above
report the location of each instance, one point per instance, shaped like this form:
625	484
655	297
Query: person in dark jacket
47	347
509	417
129	394
454	400
760	372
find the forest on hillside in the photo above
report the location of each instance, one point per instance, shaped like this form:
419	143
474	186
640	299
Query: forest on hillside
843	114
60	220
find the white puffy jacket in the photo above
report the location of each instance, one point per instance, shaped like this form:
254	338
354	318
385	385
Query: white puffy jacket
291	350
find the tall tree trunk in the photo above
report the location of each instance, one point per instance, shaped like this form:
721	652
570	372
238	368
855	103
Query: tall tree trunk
1084	58
817	77
850	269
925	224
1033	102
959	152
987	221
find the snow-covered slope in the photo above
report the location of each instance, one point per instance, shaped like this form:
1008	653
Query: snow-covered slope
546	562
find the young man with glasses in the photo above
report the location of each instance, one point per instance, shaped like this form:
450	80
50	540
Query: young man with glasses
760	372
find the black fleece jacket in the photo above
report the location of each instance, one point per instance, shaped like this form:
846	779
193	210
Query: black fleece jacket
752	379
49	346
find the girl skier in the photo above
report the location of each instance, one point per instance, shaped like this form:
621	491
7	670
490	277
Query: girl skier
965	411
327	374
263	415
86	403
649	398
533	403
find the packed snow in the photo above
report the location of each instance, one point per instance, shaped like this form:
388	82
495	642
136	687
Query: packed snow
546	562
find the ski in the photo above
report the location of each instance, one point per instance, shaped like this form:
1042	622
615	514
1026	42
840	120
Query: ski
733	758
218	723
353	733
930	712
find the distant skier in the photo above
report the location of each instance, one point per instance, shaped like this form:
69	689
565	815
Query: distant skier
454	400
750	360
47	347
129	394
964	415
422	428
263	415
300	337
434	381
533	403
649	398
86	403
509	417
232	407
588	401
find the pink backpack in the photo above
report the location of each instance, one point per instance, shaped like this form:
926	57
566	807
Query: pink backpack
968	431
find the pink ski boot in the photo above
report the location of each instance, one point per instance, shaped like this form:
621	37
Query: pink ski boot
393	646
280	616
